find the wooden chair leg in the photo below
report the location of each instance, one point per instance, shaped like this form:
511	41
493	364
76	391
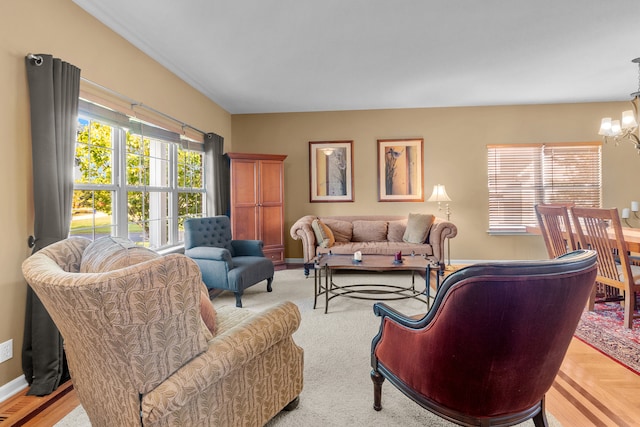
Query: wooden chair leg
592	298
238	299
269	282
628	310
377	390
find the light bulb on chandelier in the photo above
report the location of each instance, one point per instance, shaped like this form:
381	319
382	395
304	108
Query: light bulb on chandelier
624	130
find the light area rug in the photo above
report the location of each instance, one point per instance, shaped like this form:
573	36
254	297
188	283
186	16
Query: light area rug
337	386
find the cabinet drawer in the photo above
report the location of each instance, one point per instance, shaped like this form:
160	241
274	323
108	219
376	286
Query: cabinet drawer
275	255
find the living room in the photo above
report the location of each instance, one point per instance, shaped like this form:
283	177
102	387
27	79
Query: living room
455	140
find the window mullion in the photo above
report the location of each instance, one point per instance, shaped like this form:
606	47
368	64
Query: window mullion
120	180
173	194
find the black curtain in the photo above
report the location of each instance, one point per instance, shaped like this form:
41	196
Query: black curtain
217	175
54	86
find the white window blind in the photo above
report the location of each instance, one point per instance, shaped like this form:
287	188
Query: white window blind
523	175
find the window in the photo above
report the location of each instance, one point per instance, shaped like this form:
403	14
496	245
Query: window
523	175
134	180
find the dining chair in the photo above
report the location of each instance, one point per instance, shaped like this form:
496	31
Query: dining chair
560	238
601	230
555	227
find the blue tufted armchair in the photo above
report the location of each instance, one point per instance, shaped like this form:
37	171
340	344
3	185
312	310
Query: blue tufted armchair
227	264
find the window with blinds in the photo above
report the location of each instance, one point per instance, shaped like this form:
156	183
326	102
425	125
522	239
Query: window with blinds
523	175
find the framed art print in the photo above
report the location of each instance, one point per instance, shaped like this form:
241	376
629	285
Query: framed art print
400	170
331	171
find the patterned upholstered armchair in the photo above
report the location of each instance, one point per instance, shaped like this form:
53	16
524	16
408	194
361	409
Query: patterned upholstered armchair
227	264
139	352
492	343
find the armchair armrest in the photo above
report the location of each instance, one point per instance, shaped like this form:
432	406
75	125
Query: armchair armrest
441	230
387	314
301	230
247	247
384	311
228	351
209	252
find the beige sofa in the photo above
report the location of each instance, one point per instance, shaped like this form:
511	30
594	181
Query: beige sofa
139	351
371	234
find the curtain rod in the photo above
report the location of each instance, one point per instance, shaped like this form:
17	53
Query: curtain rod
135	103
37	60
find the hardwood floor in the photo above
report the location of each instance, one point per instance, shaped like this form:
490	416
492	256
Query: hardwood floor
593	390
23	410
590	390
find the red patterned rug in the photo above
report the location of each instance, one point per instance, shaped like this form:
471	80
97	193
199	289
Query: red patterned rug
603	330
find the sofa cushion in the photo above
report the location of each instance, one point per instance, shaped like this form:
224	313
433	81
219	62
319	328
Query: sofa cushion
342	230
324	235
395	230
113	253
369	231
418	226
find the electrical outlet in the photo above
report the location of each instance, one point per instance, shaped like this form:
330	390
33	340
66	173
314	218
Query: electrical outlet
6	350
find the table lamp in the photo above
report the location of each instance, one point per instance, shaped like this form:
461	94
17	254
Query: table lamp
440	195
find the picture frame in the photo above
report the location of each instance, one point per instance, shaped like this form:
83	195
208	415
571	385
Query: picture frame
331	171
400	170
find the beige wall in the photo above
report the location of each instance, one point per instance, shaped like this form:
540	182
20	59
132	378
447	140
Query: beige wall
61	28
454	155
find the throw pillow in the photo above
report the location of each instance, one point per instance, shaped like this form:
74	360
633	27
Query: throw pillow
395	231
324	235
418	226
342	230
369	231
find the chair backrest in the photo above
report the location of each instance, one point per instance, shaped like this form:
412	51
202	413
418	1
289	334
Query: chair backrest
556	229
209	231
496	335
601	230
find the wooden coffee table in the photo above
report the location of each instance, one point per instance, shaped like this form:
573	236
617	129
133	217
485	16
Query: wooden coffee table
325	265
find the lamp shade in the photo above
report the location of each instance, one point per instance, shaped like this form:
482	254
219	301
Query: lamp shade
629	119
605	127
439	194
615	127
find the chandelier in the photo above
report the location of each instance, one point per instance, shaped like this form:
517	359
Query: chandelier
624	130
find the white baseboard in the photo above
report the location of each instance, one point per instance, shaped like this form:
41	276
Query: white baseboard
13	387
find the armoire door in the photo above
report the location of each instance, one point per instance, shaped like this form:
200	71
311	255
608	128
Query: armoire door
271	208
245	200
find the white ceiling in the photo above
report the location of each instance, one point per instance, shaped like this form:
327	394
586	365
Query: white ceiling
260	56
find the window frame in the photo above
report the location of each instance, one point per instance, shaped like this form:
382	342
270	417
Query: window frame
120	188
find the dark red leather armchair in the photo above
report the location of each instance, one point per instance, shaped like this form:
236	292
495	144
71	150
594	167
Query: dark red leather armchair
492	343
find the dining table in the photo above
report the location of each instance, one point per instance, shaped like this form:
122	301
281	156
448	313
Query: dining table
631	236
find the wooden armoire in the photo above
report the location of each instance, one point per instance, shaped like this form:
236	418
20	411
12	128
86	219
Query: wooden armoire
257	201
